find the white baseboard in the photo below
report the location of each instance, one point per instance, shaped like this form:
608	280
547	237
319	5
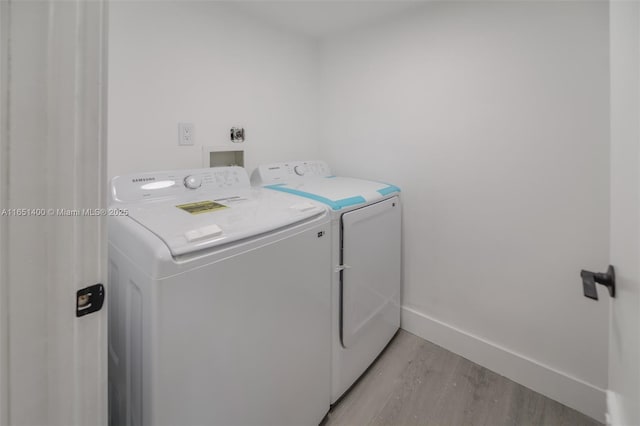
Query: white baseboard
562	387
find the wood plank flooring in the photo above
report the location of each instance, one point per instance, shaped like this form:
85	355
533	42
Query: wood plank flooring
415	382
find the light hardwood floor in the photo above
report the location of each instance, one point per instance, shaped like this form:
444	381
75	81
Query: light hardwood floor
415	382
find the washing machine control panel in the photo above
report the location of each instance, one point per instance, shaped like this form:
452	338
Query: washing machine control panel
155	185
286	172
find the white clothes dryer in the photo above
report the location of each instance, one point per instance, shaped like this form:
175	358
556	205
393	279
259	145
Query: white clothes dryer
219	302
365	260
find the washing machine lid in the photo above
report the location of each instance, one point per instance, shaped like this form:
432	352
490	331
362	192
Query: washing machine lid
337	192
208	220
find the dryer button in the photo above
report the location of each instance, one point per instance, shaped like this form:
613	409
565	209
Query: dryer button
202	233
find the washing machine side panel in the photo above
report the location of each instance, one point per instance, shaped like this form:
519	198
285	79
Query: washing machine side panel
143	249
371	238
130	350
246	340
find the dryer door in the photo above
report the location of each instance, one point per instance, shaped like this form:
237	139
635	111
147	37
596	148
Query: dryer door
371	238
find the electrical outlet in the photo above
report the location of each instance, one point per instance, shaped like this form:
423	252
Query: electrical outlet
185	133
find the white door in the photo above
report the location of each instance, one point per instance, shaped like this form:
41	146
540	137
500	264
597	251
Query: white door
371	279
52	165
623	397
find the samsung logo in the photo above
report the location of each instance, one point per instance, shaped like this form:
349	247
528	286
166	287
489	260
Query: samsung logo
148	179
274	168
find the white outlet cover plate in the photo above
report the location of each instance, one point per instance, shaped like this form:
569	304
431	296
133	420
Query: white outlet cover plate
185	134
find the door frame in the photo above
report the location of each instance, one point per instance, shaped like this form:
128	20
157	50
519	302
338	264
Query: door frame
624	317
76	79
4	111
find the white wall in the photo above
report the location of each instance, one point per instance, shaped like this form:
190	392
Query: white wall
493	119
207	64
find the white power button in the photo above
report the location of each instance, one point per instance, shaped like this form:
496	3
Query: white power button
299	170
192	182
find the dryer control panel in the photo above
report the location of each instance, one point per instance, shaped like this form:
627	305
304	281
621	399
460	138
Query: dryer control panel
158	185
268	174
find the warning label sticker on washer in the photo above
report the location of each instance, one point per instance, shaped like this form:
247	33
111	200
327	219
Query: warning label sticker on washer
201	207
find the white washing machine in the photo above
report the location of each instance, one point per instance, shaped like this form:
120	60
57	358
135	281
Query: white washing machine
219	302
365	260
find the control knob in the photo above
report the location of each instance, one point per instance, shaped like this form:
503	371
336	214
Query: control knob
299	170
192	182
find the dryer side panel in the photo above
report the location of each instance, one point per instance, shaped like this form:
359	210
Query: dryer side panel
371	238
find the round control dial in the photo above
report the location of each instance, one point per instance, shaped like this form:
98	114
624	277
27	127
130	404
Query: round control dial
299	170
192	182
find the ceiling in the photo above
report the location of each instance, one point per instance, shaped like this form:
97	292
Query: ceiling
321	19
